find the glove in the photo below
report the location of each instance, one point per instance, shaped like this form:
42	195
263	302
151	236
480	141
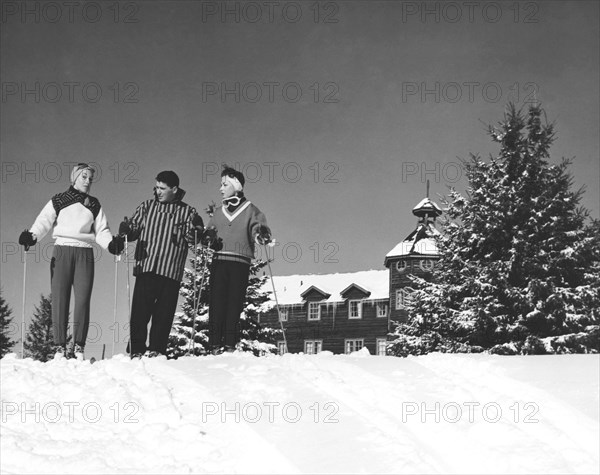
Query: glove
124	227
209	236
210	239
195	233
197	221
27	240
117	245
264	236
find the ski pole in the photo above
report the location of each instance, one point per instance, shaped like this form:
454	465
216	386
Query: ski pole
23	303
117	259
192	341
128	291
276	301
202	280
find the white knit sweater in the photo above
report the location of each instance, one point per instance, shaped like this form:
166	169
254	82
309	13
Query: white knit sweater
73	225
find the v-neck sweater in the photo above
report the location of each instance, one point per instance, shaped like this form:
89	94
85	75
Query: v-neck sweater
237	229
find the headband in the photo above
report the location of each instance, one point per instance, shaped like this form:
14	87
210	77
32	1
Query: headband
78	170
233	181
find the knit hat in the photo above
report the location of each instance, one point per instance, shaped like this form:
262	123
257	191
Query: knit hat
168	177
236	178
78	170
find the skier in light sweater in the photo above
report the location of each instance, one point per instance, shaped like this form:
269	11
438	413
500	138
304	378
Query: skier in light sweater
238	224
77	220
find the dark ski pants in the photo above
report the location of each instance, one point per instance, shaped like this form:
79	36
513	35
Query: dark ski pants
71	267
154	297
228	284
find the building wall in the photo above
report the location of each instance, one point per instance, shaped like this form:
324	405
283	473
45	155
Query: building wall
334	326
399	279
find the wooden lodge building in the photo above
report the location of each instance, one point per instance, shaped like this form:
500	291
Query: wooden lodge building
343	313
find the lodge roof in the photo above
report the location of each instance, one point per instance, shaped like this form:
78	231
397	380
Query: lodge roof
420	242
291	288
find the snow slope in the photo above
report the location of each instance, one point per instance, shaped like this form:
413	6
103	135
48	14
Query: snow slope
236	413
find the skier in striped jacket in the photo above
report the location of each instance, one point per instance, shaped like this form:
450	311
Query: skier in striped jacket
162	226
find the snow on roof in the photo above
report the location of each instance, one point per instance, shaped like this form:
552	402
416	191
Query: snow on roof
426	246
420	241
290	287
427	205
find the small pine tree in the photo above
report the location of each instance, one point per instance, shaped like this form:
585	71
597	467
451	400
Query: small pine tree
39	342
181	332
254	337
517	258
7	328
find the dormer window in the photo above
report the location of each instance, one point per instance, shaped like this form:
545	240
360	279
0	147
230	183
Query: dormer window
314	311
401	265
426	264
355	309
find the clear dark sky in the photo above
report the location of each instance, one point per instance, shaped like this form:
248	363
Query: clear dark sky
337	112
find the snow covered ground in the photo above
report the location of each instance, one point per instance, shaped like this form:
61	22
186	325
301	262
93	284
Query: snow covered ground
236	413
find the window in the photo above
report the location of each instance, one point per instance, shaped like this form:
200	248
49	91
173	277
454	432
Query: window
381	346
283	314
314	310
426	264
354	345
312	347
401	265
403	297
355	309
382	309
281	347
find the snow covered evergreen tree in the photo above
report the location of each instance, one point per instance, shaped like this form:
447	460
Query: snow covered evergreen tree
520	268
39	342
255	338
7	329
181	333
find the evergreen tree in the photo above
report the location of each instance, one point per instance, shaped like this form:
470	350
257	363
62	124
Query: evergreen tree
255	338
181	333
7	328
39	342
519	267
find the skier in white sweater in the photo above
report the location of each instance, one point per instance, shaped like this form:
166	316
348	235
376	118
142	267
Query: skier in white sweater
77	220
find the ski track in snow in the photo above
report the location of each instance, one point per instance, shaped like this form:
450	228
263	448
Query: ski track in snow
550	420
137	418
341	412
236	413
376	417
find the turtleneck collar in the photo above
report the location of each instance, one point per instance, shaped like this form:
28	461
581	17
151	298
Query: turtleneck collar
178	196
72	189
234	202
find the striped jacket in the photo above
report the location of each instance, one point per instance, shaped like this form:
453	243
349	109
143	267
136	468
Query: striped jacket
161	230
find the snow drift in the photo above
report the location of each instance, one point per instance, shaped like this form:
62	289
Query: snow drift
236	413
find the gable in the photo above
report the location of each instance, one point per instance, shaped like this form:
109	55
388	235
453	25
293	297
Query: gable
314	293
354	291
